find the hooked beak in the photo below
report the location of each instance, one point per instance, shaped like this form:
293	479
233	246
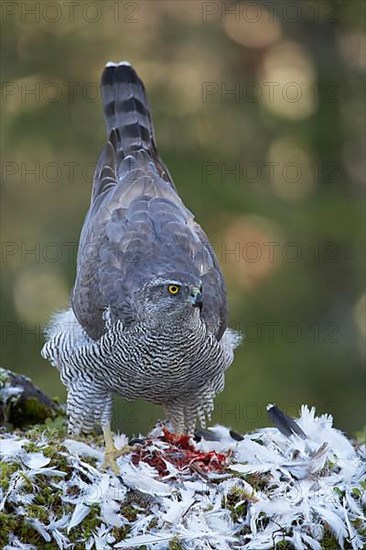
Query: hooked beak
196	298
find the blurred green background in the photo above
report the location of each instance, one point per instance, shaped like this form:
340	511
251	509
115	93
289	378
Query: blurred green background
259	115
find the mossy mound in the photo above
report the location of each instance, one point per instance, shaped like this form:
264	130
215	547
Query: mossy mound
22	404
265	490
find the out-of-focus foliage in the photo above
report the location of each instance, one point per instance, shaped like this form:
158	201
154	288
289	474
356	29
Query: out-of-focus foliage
259	115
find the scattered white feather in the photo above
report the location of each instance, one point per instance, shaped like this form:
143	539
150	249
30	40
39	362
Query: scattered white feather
140	540
79	448
80	512
103	538
274	489
38	526
177	508
35	461
16	544
120	440
11	448
142	479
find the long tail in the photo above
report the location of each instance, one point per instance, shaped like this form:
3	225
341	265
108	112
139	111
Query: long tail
126	109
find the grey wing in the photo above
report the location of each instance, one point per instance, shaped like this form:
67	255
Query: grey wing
137	227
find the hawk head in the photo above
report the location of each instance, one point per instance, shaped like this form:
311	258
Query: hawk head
168	296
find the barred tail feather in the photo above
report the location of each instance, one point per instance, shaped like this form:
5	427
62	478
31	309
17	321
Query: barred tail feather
126	109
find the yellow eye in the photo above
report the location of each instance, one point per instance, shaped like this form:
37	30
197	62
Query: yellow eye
173	289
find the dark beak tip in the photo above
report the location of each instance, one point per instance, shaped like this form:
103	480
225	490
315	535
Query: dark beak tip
198	303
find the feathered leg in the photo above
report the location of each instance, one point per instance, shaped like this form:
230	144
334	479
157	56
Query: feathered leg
84	406
88	406
174	413
184	411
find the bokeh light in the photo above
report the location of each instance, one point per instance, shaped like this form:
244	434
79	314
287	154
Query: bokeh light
256	26
294	178
288	76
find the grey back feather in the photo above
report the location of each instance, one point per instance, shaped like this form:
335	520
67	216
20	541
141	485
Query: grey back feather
137	228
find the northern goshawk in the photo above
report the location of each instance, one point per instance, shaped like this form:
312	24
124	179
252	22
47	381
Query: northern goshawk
148	311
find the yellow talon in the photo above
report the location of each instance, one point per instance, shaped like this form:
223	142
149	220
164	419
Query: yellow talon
111	451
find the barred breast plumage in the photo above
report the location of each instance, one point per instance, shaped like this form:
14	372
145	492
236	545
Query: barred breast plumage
148	312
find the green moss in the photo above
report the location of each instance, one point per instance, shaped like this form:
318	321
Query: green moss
11	523
283	545
73	491
36	410
49	497
38	511
29	411
7	469
237	502
120	533
259	482
53	450
57	459
25	404
92	521
329	542
86	529
90	460
57	425
93	439
129	512
153	524
27	483
175	544
53	428
31	447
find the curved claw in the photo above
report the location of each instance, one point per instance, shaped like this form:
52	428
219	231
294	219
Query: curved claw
111	452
